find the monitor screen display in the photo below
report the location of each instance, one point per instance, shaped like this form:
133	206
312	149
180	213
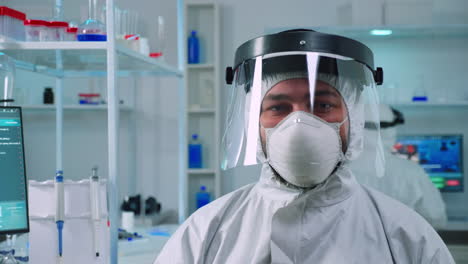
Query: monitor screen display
13	184
439	155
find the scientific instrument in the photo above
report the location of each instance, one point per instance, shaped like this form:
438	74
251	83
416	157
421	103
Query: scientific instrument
13	183
92	29
95	210
439	155
59	209
7	76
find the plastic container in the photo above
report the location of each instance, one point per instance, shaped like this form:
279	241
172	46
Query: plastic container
89	98
203	197
195	153
57	30
36	30
11	24
193	48
48	96
71	34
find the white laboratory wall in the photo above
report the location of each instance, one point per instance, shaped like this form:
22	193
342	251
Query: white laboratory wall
439	62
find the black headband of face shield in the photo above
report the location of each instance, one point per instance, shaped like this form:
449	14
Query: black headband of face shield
304	40
346	70
398	119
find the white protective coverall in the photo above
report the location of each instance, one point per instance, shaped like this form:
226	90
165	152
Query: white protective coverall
404	180
339	221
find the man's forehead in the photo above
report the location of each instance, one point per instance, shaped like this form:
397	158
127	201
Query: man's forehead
301	87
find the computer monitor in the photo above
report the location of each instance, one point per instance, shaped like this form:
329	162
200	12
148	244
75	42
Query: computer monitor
13	183
439	155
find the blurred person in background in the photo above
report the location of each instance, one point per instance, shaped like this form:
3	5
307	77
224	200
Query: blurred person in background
403	180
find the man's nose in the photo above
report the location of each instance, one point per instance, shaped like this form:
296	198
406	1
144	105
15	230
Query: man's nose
302	107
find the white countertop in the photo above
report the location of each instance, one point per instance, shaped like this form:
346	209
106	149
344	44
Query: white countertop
146	249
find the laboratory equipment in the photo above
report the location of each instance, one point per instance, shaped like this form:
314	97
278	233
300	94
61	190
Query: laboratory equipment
13	188
95	210
132	203
203	197
57	30
71	34
59	209
8	254
439	155
152	206
195	153
128	220
11	24
36	30
7	76
144	46
78	231
419	92
48	96
193	48
92	29
89	98
160	39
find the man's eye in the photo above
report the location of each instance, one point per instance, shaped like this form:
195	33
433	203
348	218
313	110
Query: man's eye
323	107
278	108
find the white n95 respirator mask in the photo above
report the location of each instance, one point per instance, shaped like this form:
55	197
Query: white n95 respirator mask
304	149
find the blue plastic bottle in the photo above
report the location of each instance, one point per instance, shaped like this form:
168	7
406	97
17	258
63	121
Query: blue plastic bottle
203	197
193	48
195	153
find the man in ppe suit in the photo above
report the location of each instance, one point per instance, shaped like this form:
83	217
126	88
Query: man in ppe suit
297	107
403	180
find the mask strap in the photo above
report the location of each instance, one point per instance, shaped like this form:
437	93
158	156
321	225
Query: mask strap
342	122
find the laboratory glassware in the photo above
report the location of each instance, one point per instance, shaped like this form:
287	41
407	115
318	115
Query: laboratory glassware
7	76
92	29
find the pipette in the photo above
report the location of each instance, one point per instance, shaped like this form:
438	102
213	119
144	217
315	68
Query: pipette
95	212
59	208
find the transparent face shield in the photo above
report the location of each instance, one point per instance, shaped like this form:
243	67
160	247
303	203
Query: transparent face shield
268	89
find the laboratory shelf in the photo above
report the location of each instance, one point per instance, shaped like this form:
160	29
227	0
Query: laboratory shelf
82	58
74	107
201	171
432	104
202	111
203	66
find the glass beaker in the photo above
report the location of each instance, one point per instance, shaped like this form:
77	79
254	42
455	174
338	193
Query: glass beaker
92	29
419	92
8	252
7	77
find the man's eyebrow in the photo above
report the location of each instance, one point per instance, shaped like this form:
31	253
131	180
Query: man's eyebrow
277	97
326	93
